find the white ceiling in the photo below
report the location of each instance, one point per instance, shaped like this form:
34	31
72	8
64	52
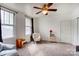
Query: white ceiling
63	9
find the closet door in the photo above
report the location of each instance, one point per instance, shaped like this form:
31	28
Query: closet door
66	31
78	31
75	31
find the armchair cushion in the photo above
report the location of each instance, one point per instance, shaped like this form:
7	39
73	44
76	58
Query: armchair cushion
1	47
36	36
12	52
8	50
6	46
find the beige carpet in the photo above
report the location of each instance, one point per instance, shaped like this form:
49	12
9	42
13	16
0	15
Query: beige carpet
47	49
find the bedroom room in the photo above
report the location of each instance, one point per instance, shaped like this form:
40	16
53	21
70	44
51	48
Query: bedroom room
40	29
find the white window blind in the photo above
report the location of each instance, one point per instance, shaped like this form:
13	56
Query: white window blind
28	25
7	24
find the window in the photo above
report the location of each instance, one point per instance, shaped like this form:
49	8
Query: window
7	24
28	25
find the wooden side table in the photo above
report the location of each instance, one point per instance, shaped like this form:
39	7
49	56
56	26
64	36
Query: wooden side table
52	38
20	43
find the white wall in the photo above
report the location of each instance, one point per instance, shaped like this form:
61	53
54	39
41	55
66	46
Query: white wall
43	24
36	25
20	25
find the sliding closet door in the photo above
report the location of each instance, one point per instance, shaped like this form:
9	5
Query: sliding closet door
75	31
66	31
78	31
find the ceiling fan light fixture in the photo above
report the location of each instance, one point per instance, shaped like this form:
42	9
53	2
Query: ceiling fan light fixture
44	12
45	8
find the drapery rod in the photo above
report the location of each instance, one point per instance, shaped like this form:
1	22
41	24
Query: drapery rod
8	9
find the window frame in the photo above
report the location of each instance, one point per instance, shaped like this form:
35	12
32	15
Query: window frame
13	25
27	26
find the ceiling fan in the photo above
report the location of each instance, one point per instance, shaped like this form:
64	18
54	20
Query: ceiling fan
45	8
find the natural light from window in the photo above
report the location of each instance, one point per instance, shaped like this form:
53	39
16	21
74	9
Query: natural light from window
28	26
7	24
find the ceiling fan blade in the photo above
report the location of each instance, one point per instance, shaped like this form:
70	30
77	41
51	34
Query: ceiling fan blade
50	4
37	7
38	12
52	9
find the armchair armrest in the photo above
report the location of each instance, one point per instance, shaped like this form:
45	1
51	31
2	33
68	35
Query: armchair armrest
7	46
